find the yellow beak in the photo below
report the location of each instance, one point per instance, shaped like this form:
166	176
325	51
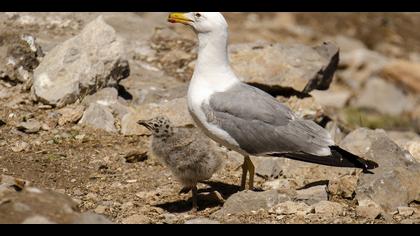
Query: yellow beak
178	17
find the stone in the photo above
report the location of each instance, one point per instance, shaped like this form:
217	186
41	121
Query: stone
247	201
79	66
30	127
150	86
20	54
20	146
328	208
368	209
266	167
136	219
306	108
405	73
29	206
295	66
395	182
331	98
201	221
108	97
279	184
176	110
2	122
343	187
37	220
100	209
360	65
70	114
292	208
383	97
100	117
303	173
409	141
406	211
91	218
312	195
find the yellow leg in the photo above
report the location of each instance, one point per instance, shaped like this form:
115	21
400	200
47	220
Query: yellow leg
244	172
251	169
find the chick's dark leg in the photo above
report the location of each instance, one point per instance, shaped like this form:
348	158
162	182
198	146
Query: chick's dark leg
194	198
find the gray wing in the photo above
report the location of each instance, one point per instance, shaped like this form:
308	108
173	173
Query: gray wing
262	125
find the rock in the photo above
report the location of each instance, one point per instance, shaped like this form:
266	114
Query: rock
306	108
289	66
383	97
403	72
70	114
99	117
30	127
100	209
303	173
335	131
266	167
280	184
108	97
136	219
348	44
409	141
312	195
11	184
405	211
331	98
395	182
149	86
169	218
292	208
201	221
20	146
247	201
343	187
79	66
20	55
135	156
29	206
328	208
176	110
37	220
91	218
2	122
360	65
368	209
4	93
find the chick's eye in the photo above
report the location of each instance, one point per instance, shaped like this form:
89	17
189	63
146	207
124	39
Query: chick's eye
197	14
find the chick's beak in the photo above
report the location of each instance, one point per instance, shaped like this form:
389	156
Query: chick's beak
179	17
144	123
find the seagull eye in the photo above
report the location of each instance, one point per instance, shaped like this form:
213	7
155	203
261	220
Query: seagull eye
197	15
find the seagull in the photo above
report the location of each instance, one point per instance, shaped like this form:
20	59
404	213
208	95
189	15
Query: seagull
190	155
244	118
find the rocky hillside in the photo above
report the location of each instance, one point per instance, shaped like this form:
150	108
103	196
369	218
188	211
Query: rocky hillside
73	85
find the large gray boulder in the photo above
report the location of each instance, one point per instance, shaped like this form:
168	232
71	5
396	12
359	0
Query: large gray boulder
395	182
80	66
295	66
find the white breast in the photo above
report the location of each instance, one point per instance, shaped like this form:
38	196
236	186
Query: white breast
199	93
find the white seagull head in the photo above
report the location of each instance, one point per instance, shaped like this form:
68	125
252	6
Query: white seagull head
201	22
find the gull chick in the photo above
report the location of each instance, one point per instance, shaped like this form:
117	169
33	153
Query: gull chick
191	156
247	119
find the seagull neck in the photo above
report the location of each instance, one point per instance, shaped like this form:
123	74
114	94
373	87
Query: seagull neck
212	53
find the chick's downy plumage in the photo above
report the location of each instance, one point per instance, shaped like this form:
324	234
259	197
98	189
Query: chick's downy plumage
191	156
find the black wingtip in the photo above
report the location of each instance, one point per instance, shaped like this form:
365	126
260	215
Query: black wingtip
358	161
